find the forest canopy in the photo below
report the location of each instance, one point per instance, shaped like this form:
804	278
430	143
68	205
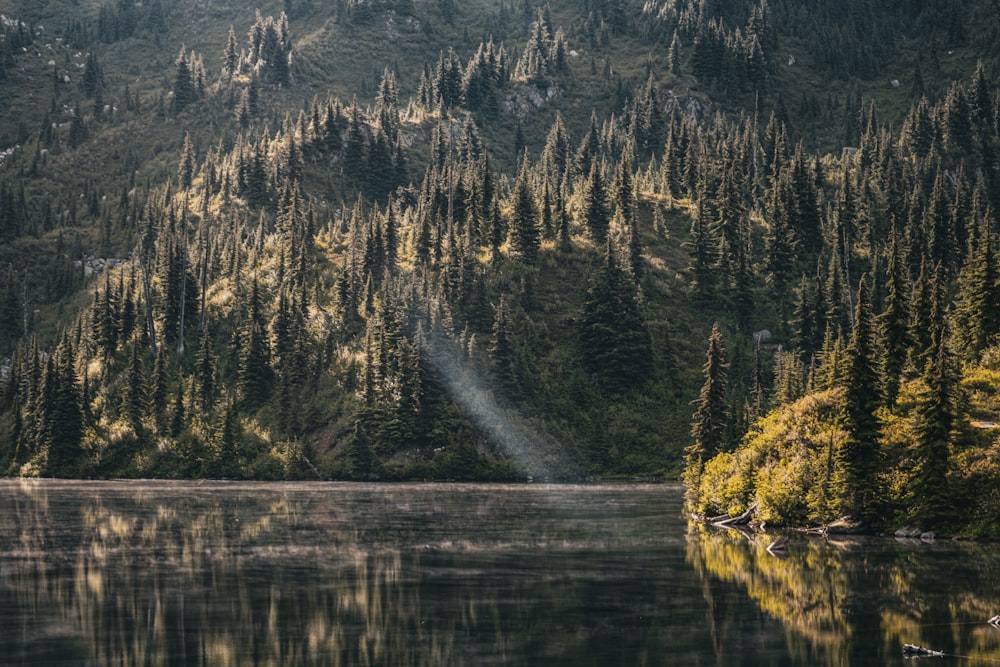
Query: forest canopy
493	240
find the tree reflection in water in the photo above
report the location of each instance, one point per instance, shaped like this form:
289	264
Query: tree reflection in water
226	574
853	600
163	573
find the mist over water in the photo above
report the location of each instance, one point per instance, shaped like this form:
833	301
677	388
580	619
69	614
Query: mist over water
324	573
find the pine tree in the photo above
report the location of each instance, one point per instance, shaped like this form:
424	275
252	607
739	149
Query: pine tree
254	374
614	339
779	238
502	352
185	170
185	88
674	55
857	456
62	411
936	419
894	320
977	318
705	245
231	55
134	398
205	371
711	414
595	208
524	229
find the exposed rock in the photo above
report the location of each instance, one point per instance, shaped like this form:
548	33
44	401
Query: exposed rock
689	106
92	265
908	532
845	525
525	98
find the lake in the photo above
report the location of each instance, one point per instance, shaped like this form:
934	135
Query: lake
214	573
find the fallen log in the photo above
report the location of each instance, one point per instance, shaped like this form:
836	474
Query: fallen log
740	520
914	651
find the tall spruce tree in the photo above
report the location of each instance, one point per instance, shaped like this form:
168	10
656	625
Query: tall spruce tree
857	457
936	419
524	221
711	415
62	411
615	342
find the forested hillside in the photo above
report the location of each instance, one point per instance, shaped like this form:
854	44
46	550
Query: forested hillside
380	239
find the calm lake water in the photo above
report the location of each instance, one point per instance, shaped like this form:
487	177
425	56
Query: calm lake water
174	573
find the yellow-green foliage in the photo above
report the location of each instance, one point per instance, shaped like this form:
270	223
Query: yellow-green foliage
781	465
784	464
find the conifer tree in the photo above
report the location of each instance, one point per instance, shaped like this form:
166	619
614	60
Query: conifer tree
711	414
977	316
179	417
857	456
936	419
894	319
205	370
595	208
524	221
185	170
674	55
185	85
134	399
615	342
62	411
231	55
502	351
254	375
705	245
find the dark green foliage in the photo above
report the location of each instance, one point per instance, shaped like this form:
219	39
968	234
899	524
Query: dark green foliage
134	401
255	377
857	458
614	339
270	48
205	371
894	319
711	414
60	413
525	231
596	217
502	352
937	418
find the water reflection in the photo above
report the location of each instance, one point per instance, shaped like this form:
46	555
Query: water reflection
854	601
165	574
257	574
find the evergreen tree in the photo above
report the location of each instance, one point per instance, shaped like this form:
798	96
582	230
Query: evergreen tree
502	351
524	222
977	316
185	170
205	370
705	244
185	85
231	55
674	55
711	414
254	375
936	420
857	457
894	320
595	208
62	411
134	398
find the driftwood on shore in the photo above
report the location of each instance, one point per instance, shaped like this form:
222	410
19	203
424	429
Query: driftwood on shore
914	651
739	520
